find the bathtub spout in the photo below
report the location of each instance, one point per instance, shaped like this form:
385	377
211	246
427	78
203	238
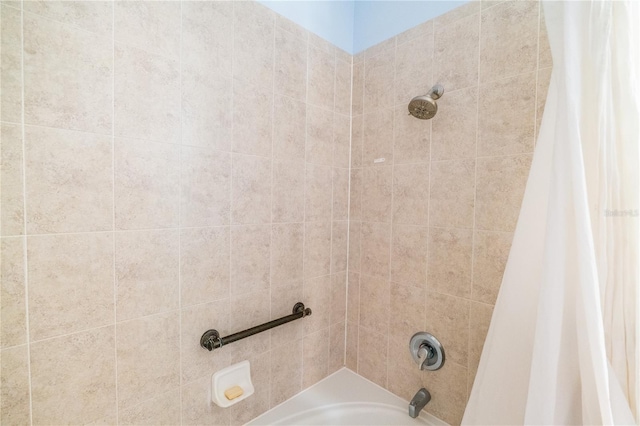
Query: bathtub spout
418	402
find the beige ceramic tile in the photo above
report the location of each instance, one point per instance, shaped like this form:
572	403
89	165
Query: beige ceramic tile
406	311
151	26
457	13
479	318
292	27
354	245
378	137
283	299
253	26
338	298
542	87
376	193
321	74
147	266
245	311
544	50
351	359
317	296
336	347
341	140
14	392
383	46
69	180
204	264
144	373
343	87
205	187
196	361
340	194
411	137
451	380
448	319
319	147
317	249
409	255
147	95
456	53
418	31
490	253
509	40
449	261
414	67
379	79
250	189
411	194
70	283
206	108
250	258
66	386
289	118
317	193
357	140
206	42
13	324
286	252
452	193
197	408
372	356
290	76
404	377
252	120
67	77
454	131
147	184
509	129
315	361
374	304
286	372
500	188
375	246
161	410
339	235
355	194
11	66
95	16
353	297
288	191
357	95
11	180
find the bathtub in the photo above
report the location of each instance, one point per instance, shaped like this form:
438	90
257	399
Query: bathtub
344	398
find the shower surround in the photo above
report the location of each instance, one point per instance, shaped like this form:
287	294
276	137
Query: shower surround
430	227
169	167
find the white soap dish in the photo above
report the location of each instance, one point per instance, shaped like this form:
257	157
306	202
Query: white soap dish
236	375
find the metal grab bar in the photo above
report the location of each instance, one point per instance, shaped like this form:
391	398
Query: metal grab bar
211	339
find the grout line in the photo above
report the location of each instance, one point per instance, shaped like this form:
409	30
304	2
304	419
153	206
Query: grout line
25	252
346	311
113	233
180	196
536	126
273	115
304	206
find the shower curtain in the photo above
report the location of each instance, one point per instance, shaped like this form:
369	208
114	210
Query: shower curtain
562	347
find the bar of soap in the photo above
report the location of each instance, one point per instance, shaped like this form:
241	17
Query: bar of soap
233	393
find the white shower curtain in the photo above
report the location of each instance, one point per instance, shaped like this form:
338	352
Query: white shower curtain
562	347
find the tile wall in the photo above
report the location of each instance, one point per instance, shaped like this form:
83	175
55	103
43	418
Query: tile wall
431	225
167	167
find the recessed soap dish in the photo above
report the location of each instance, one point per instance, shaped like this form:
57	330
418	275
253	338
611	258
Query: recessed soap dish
236	375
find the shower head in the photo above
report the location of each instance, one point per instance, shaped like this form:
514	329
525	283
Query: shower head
425	107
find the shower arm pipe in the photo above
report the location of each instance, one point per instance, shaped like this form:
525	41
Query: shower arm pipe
211	339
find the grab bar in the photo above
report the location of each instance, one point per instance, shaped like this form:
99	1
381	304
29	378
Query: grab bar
211	339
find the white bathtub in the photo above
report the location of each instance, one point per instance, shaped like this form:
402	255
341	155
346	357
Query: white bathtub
344	398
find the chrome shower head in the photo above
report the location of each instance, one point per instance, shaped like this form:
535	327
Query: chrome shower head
425	107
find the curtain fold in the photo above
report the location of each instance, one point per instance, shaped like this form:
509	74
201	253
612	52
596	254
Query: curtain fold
562	347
